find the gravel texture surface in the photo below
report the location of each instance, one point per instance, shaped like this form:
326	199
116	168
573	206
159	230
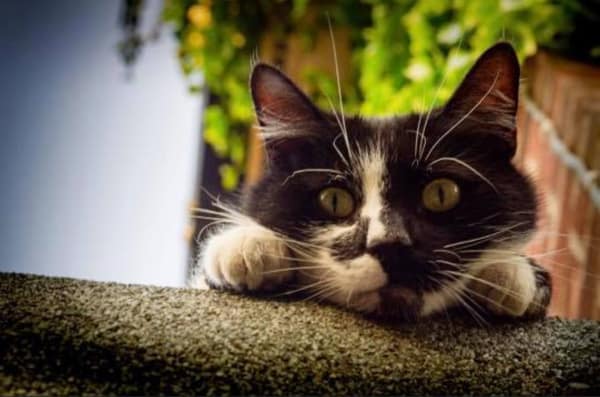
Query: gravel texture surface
62	336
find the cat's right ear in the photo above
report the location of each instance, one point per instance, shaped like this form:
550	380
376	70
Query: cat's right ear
291	126
278	101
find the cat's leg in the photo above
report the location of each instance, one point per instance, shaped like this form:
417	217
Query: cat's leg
245	258
517	288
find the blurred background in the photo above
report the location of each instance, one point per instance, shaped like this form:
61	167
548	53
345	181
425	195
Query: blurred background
118	116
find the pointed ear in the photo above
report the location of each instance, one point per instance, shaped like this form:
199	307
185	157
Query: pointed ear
277	100
490	93
291	126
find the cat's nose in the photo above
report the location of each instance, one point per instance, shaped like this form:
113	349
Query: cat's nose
396	257
387	229
398	237
389	243
396	261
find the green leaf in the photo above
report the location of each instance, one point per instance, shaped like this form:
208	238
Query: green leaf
229	176
400	52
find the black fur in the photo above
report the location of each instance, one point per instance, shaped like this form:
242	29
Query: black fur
484	140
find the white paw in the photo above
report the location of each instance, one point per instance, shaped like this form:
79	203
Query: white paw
246	258
505	288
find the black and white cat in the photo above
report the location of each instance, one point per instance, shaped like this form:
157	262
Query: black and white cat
400	216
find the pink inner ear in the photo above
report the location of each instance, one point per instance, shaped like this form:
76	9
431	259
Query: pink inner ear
493	80
276	101
276	97
499	80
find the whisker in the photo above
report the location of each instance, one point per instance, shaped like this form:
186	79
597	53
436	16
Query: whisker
323	293
293	268
337	149
466	165
477	294
339	87
235	217
216	222
209	194
416	155
315	170
496	286
461	299
305	287
590	237
224	215
435	96
463	118
485	237
513	252
571	267
208	218
341	134
449	252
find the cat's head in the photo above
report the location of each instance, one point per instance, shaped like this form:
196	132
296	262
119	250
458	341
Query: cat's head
394	212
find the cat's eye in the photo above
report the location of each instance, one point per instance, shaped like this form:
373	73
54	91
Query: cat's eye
336	202
440	195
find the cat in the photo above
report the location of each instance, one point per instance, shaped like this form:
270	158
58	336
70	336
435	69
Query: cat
402	216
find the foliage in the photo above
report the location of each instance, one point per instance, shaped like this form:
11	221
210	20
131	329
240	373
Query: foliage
402	51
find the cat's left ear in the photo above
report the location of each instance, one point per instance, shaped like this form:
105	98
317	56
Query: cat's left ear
490	93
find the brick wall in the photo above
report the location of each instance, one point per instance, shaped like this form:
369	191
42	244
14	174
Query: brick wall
559	127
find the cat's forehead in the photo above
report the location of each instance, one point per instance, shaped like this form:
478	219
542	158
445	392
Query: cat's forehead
394	137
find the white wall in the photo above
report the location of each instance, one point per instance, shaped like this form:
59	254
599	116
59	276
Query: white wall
96	172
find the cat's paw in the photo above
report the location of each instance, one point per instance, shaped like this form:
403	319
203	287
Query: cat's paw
246	258
507	288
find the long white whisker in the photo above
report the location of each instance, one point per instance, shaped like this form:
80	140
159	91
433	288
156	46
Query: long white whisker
461	299
286	269
216	213
218	221
209	218
339	87
237	218
565	266
306	287
339	122
323	293
496	286
472	310
485	237
417	148
463	118
464	164
450	252
422	149
315	170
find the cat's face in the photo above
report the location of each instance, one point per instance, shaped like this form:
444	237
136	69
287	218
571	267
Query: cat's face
393	212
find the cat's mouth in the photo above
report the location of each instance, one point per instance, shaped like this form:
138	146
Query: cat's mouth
365	284
408	271
398	303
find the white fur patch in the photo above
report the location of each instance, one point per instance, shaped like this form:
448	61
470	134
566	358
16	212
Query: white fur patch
245	256
447	296
353	283
332	232
373	175
507	284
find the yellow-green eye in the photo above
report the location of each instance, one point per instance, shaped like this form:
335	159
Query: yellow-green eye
441	195
336	202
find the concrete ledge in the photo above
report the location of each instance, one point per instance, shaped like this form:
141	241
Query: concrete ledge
64	336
